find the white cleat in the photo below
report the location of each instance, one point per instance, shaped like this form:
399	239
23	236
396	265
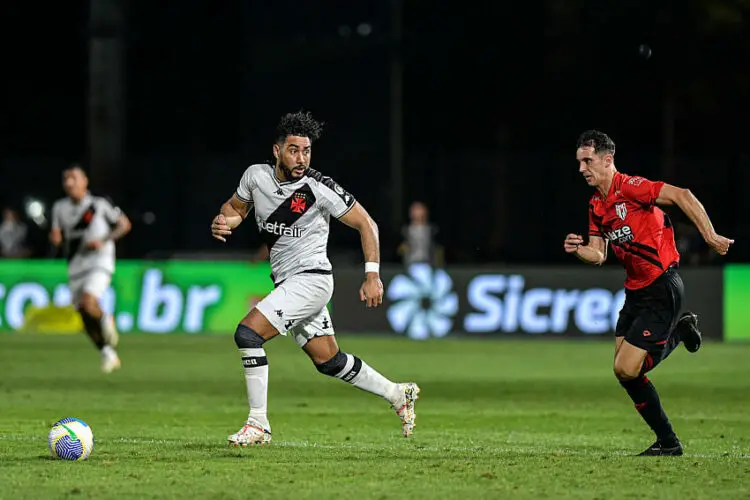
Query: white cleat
110	362
252	433
405	407
109	331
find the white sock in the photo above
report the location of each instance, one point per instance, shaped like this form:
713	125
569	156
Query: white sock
360	374
105	321
255	363
108	351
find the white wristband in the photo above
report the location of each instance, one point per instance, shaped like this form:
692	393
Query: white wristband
372	267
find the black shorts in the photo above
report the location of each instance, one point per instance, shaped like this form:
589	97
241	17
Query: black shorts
650	314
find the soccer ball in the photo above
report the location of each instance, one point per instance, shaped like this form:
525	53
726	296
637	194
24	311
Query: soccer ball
71	439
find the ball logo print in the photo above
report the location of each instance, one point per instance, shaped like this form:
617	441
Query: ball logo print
423	302
70	439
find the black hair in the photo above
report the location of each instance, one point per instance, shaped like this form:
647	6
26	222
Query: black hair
75	166
600	141
301	124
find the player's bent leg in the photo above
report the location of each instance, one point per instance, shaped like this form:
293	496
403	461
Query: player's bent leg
252	332
618	344
629	366
91	315
258	322
329	360
628	361
96	284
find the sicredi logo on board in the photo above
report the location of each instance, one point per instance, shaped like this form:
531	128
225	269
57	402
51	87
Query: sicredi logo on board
425	303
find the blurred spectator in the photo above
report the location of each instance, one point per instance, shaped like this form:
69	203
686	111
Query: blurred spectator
12	236
419	243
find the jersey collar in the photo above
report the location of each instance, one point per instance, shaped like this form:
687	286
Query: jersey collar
85	200
612	189
279	182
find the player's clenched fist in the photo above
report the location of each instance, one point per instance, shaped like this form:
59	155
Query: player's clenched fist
572	242
219	228
719	243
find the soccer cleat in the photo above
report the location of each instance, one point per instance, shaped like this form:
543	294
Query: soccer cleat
110	361
109	331
405	407
659	450
689	333
251	433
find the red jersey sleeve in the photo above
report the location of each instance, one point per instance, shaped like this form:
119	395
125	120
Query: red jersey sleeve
595	223
641	190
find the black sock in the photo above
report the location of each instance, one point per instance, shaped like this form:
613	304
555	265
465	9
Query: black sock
93	329
646	399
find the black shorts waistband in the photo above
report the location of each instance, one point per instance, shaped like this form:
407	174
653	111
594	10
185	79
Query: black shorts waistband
306	271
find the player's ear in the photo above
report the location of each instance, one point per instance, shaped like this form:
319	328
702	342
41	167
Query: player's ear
608	160
276	151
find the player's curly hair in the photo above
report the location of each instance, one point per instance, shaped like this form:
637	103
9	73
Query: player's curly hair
600	141
301	124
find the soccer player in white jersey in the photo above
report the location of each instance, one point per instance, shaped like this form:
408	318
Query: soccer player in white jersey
87	227
293	204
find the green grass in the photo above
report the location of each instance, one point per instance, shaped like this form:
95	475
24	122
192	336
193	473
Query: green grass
497	419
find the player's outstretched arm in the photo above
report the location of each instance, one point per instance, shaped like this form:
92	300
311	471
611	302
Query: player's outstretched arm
372	289
231	215
594	253
693	208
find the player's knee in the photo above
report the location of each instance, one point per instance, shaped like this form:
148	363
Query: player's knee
333	366
88	304
624	373
247	338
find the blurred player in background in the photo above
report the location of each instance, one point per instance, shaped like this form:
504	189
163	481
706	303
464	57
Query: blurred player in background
624	212
87	227
293	204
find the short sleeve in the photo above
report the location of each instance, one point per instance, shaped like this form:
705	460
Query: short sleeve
56	222
110	211
336	200
246	185
641	190
595	223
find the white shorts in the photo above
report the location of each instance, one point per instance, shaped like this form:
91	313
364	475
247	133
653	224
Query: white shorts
298	305
95	282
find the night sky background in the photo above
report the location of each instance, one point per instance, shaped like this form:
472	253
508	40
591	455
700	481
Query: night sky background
493	97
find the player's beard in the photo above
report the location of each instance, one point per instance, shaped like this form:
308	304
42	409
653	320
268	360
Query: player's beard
288	172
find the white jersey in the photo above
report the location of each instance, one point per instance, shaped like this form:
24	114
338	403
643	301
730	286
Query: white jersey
91	219
293	217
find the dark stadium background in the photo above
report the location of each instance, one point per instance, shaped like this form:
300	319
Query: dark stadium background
494	95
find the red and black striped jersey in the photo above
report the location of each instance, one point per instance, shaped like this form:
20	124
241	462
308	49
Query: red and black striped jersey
641	234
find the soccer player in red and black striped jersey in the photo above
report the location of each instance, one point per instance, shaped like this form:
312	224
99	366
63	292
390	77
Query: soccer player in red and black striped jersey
625	212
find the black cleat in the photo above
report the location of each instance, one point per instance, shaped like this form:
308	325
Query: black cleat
687	325
659	450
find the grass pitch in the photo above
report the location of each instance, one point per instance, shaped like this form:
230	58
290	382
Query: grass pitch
497	419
